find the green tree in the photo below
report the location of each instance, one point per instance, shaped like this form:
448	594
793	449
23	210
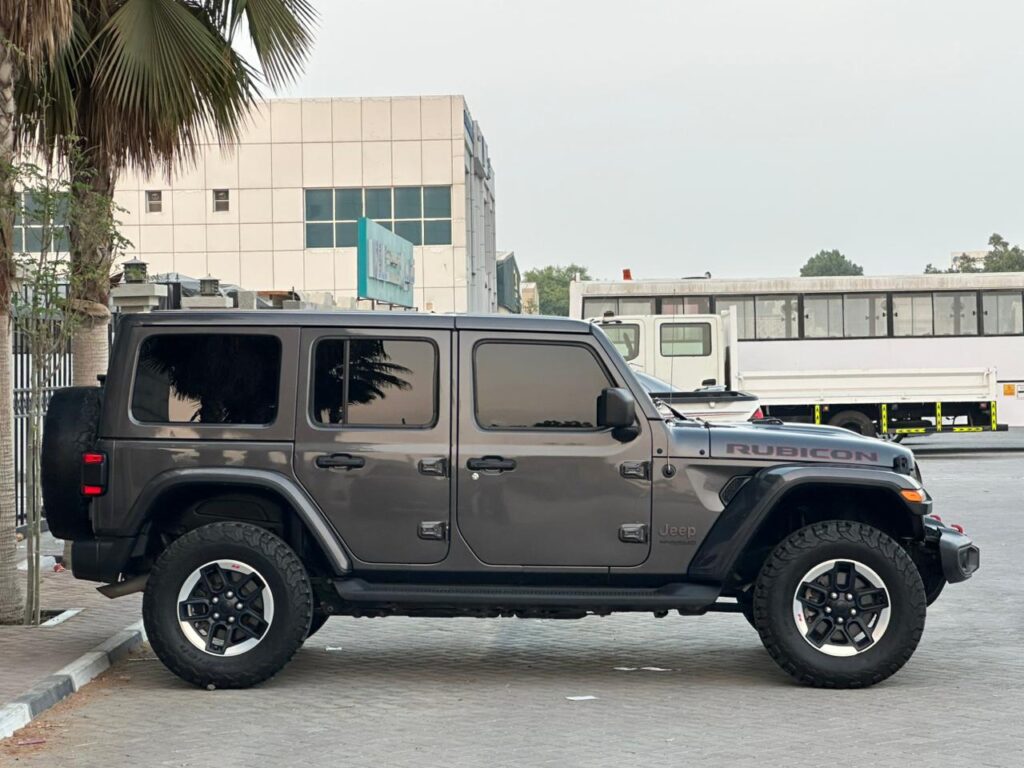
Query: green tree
142	82
31	33
553	286
1001	257
829	263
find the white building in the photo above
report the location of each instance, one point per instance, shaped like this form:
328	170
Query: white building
279	210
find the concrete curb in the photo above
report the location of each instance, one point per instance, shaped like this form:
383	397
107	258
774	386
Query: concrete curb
40	697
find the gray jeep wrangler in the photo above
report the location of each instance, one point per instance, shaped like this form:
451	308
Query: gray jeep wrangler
256	473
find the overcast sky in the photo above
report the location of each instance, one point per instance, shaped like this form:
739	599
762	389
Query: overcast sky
676	136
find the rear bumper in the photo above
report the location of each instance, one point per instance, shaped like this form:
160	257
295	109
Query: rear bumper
103	559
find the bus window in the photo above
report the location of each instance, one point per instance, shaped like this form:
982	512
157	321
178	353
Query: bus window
685	305
956	314
633	306
744	313
823	317
912	314
776	317
625	338
597	307
1003	312
864	315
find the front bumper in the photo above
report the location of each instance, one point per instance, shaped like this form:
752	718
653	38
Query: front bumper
958	555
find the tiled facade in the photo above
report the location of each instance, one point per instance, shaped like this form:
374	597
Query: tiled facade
289	146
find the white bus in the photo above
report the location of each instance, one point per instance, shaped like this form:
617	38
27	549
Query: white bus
946	322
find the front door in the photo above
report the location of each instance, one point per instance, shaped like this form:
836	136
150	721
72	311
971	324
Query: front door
372	439
684	352
538	483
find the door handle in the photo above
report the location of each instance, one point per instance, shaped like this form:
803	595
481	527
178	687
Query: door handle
491	463
340	461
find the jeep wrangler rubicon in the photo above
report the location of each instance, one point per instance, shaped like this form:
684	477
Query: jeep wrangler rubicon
255	473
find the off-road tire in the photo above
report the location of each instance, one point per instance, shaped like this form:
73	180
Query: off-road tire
855	421
69	430
285	576
777	584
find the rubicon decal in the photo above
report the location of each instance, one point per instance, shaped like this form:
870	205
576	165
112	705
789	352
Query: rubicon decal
791	452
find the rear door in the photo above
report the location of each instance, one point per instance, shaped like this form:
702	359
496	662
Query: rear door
372	438
538	483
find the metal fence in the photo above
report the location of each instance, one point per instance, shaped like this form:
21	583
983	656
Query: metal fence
22	372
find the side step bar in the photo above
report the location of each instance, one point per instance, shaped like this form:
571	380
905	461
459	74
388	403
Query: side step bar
670	596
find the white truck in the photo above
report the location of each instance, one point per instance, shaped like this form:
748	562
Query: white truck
691	351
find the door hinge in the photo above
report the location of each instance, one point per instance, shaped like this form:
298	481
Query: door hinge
635	470
435	530
633	533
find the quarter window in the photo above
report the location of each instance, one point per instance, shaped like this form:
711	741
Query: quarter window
625	338
686	339
864	315
1003	312
537	386
776	317
956	314
215	378
375	382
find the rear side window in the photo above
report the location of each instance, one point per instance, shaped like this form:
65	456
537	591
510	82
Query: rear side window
375	382
537	386
207	378
686	339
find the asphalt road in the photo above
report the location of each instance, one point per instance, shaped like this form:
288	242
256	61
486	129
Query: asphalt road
674	691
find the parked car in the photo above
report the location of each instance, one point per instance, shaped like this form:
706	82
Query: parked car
255	473
711	403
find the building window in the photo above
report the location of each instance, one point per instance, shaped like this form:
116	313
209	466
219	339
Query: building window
37	229
686	339
221	201
154	201
236	382
375	382
956	314
744	306
823	317
556	386
776	317
1003	312
421	215
864	315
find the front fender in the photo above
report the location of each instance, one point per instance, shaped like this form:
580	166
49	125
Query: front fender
752	505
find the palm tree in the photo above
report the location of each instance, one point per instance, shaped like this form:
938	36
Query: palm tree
143	82
31	32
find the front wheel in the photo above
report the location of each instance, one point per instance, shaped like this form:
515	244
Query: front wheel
227	605
839	605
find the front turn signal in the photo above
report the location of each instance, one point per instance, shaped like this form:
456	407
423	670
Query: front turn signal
911	494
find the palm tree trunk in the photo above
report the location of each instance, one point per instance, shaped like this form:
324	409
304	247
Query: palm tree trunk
10	585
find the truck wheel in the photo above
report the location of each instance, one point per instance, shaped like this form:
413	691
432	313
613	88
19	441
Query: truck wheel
855	421
227	605
839	605
69	430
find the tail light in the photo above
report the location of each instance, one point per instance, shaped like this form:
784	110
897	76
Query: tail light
957	527
94	473
758	415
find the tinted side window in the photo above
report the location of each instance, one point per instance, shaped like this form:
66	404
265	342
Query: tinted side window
686	339
207	378
375	382
537	386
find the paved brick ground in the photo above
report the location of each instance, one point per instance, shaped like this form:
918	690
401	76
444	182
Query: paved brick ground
402	692
28	654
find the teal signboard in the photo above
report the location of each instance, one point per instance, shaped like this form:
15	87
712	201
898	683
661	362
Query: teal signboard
386	265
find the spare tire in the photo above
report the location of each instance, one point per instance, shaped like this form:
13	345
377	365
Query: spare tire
72	418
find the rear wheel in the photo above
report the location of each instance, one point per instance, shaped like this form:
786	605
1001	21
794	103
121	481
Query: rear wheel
227	605
839	605
855	421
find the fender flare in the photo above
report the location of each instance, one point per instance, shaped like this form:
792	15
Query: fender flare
753	504
315	521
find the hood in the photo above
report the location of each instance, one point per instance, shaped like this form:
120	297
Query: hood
785	443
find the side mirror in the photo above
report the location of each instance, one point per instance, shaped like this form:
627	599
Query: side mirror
709	382
616	409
